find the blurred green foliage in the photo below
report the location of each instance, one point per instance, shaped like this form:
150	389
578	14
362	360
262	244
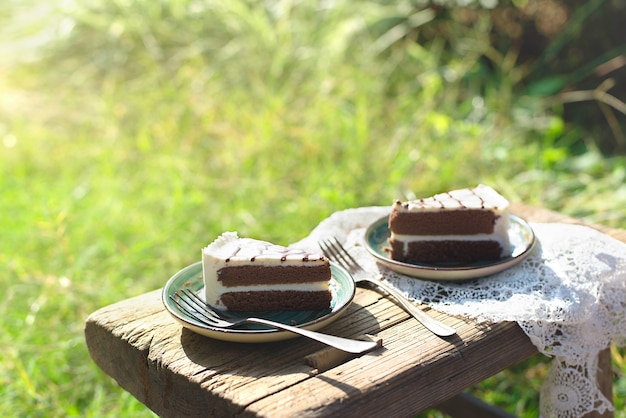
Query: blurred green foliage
133	132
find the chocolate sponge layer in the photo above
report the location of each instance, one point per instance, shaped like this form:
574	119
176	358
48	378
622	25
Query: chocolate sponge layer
276	301
460	222
259	275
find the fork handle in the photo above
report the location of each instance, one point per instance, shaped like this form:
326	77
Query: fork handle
343	344
436	327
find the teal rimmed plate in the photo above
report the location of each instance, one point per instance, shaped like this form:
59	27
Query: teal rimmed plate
342	288
521	236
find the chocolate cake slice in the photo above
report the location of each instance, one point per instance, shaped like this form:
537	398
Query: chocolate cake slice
244	274
464	225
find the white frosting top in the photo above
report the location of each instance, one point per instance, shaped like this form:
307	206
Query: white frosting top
480	197
232	250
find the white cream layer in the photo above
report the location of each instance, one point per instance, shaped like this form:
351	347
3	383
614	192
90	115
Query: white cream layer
218	290
214	292
407	239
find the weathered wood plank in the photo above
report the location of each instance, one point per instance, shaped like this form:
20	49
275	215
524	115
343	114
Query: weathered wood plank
167	367
173	370
424	372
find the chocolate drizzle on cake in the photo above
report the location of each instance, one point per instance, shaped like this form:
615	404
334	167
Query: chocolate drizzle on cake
267	249
461	199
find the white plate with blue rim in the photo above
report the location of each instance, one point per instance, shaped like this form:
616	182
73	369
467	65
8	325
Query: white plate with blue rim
342	289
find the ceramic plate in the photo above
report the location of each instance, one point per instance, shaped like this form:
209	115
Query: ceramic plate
342	288
521	236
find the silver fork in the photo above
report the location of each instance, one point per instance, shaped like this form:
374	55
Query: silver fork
333	249
190	303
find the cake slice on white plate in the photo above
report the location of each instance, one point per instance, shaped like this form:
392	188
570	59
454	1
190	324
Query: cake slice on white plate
244	274
465	225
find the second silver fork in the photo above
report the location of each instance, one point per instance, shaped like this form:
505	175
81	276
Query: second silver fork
333	249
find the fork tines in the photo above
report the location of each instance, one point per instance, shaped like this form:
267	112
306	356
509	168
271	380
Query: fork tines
333	249
188	302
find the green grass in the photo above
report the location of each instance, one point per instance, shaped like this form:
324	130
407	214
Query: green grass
133	139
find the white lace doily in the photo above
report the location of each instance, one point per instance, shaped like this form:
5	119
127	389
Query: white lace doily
569	297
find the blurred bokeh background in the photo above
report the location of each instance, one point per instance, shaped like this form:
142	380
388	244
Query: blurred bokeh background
132	133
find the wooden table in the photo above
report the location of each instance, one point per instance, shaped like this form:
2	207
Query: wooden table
177	373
